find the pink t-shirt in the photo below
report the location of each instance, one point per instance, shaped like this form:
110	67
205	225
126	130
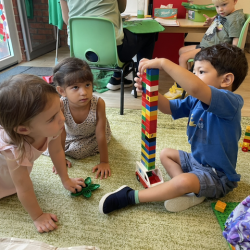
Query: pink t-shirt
7	186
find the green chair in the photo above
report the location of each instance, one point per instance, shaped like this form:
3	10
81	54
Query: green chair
241	42
96	35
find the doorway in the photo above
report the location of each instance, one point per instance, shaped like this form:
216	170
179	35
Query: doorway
9	45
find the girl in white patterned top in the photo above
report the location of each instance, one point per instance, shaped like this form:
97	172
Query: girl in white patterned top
87	130
30	122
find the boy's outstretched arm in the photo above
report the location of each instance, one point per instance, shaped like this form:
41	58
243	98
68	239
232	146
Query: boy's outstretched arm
187	80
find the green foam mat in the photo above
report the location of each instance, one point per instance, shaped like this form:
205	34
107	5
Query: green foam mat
222	217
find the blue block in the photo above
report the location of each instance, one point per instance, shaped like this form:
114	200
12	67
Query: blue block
144	90
149	144
149	152
148	160
149	108
152	72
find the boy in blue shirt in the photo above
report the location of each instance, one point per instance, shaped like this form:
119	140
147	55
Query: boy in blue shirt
213	131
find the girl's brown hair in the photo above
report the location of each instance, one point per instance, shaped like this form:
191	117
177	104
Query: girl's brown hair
70	71
22	97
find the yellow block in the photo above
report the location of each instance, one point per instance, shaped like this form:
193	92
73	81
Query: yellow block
148	156
142	143
143	113
151	113
247	137
152	98
150	135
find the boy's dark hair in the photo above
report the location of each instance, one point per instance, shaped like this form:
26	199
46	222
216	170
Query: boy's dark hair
70	71
226	58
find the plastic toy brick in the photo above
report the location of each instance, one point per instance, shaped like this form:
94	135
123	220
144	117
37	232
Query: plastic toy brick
152	72
152	88
152	77
152	99
220	206
153	93
151	118
150	135
152	113
148	155
248	129
222	217
152	151
151	108
149	83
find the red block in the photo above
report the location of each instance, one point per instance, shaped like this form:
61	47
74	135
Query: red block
155	93
150	83
149	148
151	104
246	140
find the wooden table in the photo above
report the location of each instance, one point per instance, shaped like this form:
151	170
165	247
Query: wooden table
186	26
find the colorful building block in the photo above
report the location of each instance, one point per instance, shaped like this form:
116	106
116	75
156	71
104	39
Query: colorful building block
220	206
246	140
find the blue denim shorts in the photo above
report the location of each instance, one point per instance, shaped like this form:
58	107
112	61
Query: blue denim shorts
213	183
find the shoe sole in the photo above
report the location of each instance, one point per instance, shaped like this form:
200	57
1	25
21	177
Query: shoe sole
105	197
182	203
116	87
172	98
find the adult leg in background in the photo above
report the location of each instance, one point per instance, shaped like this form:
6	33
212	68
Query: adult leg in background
140	44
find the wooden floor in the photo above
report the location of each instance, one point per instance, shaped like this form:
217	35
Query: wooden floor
112	98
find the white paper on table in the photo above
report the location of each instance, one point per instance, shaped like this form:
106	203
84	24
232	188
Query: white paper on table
167	22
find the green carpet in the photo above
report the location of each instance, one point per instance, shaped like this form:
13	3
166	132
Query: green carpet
146	226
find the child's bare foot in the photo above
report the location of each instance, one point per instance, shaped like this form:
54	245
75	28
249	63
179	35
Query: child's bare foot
68	164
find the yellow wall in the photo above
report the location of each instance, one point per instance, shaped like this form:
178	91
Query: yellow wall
242	4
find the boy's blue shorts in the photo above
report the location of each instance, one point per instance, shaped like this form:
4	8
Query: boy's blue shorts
213	183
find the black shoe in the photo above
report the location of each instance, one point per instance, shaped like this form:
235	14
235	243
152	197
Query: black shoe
120	198
116	84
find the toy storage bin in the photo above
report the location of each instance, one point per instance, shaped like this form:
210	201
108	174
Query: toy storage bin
197	15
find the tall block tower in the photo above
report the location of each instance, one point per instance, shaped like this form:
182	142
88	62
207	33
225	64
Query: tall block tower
146	171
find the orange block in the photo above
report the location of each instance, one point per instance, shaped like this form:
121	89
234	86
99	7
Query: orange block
220	206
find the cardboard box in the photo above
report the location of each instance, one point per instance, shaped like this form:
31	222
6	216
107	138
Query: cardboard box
166	13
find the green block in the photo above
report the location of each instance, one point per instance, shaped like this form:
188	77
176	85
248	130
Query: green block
143	109
142	135
143	84
143	118
152	78
247	134
150	165
150	168
143	126
143	147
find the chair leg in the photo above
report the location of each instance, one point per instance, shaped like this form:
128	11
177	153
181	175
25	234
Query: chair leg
133	73
122	93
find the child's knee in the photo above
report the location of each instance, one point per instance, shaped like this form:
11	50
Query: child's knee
184	183
165	153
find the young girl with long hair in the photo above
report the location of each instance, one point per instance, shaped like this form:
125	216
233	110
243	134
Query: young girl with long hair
87	130
30	122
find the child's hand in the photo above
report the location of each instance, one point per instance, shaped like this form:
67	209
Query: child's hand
149	64
103	169
208	21
68	164
46	222
138	83
74	184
